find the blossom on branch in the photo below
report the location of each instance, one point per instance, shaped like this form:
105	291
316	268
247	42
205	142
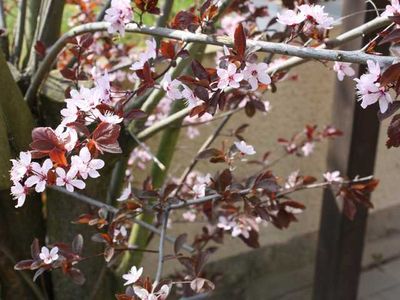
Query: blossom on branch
228	77
48	256
392	9
119	14
133	275
245	148
343	69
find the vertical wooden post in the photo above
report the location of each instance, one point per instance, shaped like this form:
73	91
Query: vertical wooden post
341	241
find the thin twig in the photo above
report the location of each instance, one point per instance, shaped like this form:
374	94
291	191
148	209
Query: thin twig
160	265
112	209
307	53
203	147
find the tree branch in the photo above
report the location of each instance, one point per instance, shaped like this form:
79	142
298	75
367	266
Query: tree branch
308	53
112	209
161	246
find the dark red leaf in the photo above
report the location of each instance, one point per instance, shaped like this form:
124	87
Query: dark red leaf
40	49
240	40
105	137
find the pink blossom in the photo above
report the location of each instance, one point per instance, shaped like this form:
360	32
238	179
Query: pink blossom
229	23
290	17
189	97
228	77
104	87
19	192
255	73
149	53
21	166
86	165
244	148
189	216
343	69
119	14
48	256
68	136
317	14
69	179
39	177
69	114
199	190
369	90
171	87
393	9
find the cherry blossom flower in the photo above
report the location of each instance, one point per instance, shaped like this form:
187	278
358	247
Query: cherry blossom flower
244	148
132	276
39	177
119	14
69	114
48	256
369	90
103	85
229	23
333	176
241	229
189	97
308	148
121	232
237	227
392	9
19	192
225	223
292	180
171	87
85	99
317	14
68	179
108	117
144	294
189	216
150	53
126	193
293	210
290	17
68	136
199	190
228	77
254	73
86	165
21	166
343	69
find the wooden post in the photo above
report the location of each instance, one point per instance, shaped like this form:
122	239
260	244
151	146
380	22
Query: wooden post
341	241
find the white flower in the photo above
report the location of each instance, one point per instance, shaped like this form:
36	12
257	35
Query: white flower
151	51
241	229
199	190
132	276
189	216
108	117
70	114
225	223
68	136
333	176
86	165
292	180
69	179
21	166
229	77
48	256
126	193
39	177
254	73
244	148
393	9
343	69
119	14
143	294
19	192
171	87
308	148
290	17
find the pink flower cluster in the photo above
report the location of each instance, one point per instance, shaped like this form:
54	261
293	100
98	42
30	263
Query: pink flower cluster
119	14
369	89
82	108
392	9
313	16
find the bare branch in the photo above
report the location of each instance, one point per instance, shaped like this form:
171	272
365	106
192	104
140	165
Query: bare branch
113	209
308	53
19	31
160	264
